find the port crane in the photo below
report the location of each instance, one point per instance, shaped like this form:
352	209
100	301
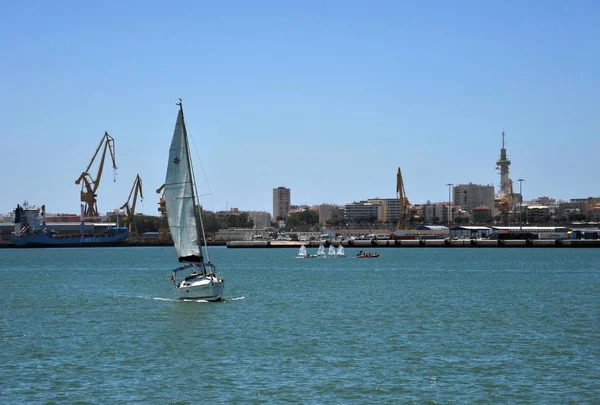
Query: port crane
507	204
130	208
403	222
162	208
89	185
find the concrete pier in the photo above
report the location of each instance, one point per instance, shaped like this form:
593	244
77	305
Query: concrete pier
466	243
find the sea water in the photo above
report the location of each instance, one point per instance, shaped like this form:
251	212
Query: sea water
103	326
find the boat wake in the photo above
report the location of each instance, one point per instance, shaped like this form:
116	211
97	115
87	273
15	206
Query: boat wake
202	301
178	300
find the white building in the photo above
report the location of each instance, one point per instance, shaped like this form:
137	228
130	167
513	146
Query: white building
363	211
240	234
261	219
435	210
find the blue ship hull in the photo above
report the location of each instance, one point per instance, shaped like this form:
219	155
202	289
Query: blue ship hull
47	240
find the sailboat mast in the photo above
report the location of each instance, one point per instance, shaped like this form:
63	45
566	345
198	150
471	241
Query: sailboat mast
197	215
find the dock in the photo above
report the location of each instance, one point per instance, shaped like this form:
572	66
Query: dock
424	243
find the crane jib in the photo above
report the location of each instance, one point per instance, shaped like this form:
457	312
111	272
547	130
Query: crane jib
90	185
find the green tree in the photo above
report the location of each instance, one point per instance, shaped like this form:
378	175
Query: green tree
145	223
578	217
303	221
237	221
211	222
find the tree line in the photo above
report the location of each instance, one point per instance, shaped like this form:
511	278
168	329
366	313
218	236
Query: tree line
211	221
308	220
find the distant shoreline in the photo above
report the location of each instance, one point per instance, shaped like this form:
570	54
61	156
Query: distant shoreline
88	245
362	244
424	243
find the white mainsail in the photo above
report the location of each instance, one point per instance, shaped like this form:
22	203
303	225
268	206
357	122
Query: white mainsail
179	197
331	251
340	251
302	252
321	250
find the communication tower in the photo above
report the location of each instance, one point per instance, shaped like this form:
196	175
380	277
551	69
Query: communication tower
506	187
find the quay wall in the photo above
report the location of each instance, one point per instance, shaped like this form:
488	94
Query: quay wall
423	243
129	242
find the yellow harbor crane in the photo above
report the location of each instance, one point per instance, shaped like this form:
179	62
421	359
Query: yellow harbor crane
89	185
507	203
403	223
163	229
130	208
162	207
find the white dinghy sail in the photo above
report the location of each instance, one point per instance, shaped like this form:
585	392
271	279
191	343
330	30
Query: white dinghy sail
302	253
331	252
321	251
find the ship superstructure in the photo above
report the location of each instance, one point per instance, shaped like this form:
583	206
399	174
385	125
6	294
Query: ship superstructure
28	219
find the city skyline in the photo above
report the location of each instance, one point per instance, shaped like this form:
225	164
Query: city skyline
455	202
325	99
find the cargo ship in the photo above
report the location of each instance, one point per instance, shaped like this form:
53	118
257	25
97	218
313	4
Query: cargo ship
31	230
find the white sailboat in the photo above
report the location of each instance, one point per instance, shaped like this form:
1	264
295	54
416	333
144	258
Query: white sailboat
185	223
302	253
331	252
321	251
340	251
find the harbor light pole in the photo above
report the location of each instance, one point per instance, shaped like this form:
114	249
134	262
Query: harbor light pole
449	207
521	205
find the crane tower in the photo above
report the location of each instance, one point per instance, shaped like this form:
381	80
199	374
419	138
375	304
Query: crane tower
130	208
89	185
404	203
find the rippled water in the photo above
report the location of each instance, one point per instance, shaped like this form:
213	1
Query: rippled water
413	326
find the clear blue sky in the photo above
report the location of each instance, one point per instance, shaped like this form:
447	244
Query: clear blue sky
327	98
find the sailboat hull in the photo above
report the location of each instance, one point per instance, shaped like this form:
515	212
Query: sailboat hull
202	288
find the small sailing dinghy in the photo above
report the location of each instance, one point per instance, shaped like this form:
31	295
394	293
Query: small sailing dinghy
303	253
321	251
340	251
185	223
331	252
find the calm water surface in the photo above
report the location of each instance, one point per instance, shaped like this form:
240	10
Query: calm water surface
414	326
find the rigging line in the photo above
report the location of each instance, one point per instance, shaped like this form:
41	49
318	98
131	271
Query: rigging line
203	172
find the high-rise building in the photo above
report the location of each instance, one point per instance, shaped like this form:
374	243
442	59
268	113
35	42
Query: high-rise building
469	196
281	202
